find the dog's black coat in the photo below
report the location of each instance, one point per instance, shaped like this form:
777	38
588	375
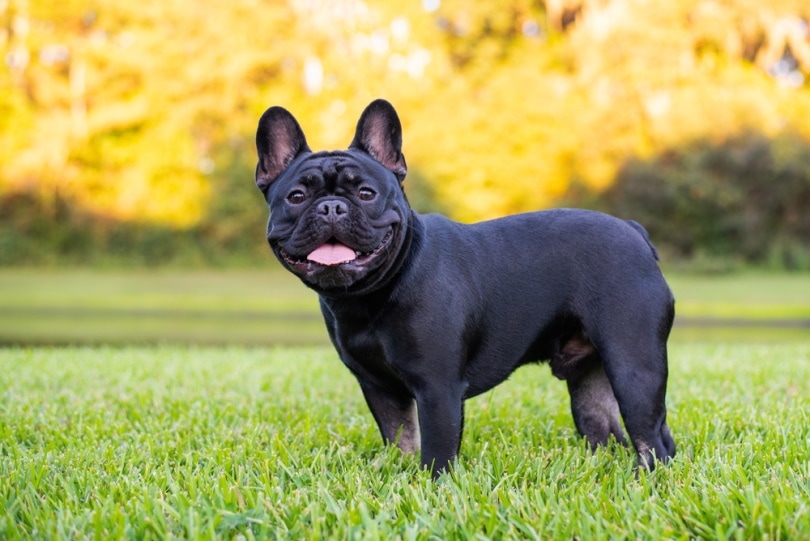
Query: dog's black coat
429	312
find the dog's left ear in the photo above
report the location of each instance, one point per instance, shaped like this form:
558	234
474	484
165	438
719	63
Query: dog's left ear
379	134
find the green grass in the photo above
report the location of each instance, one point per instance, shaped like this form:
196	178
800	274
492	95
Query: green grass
243	443
269	306
742	296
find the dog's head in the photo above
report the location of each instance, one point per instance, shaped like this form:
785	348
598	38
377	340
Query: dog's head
339	219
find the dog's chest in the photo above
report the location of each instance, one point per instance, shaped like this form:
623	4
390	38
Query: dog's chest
359	342
364	354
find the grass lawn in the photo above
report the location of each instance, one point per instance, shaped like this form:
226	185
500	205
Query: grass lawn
270	306
741	296
262	442
141	306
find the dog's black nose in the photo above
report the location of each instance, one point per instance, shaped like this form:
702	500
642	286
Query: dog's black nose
332	208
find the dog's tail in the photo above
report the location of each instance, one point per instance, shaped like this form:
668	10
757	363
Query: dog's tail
646	236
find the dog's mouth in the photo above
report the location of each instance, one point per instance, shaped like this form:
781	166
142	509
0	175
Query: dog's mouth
335	254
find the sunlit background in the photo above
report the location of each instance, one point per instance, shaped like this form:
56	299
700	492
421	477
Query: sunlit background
126	128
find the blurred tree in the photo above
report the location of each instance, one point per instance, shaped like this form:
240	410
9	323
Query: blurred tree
743	198
143	114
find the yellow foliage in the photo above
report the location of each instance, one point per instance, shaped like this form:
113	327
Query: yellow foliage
143	111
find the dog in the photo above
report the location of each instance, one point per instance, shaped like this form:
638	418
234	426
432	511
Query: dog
427	312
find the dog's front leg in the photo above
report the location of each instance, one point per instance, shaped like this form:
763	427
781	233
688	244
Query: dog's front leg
441	422
395	413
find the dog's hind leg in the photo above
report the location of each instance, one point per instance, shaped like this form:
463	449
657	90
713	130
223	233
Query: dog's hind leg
595	409
631	335
638	376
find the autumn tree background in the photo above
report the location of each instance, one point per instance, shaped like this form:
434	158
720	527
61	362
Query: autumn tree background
126	128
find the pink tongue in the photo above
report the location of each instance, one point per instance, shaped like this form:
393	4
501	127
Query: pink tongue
332	254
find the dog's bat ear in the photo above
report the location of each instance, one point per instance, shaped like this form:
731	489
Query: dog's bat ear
279	140
379	134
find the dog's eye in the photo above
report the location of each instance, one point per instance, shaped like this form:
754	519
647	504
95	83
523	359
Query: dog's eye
366	194
297	197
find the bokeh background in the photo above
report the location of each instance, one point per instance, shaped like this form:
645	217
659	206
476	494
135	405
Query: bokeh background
126	139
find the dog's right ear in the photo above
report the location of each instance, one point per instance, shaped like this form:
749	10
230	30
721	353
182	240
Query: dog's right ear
279	140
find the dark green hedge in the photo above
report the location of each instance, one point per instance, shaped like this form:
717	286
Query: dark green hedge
744	200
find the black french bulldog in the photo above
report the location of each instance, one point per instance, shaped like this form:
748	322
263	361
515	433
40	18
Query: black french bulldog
427	312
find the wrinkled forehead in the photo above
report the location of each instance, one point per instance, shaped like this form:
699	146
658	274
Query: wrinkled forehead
333	163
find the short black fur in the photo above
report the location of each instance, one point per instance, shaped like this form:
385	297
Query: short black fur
427	312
